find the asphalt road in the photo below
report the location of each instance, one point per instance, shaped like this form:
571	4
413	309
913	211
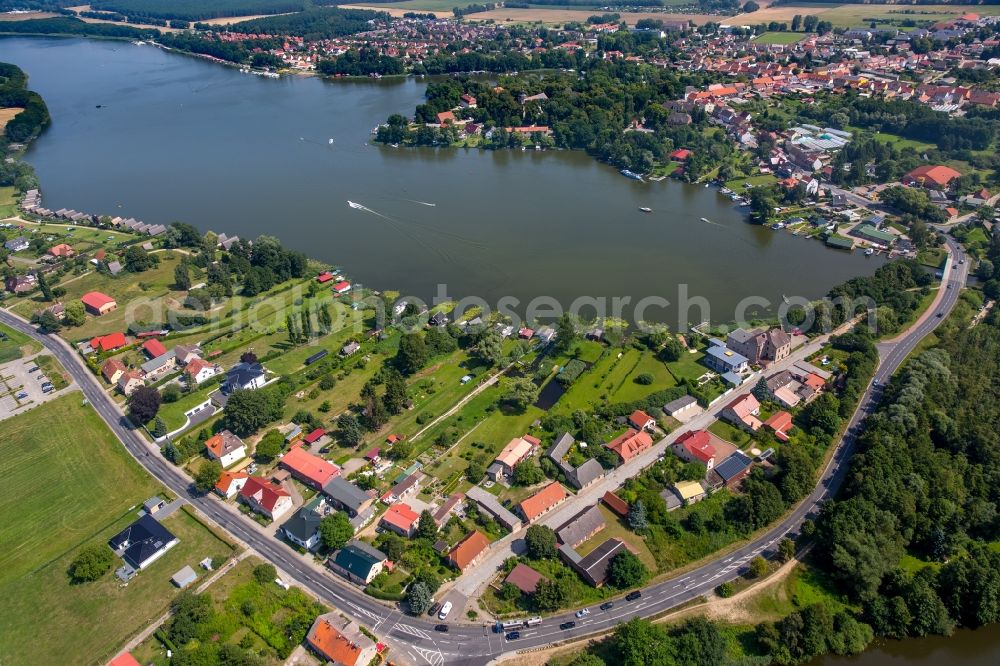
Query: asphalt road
414	640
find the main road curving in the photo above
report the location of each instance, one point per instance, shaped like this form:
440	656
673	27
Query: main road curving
414	639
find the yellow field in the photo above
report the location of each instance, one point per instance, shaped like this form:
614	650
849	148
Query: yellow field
6	115
580	15
854	15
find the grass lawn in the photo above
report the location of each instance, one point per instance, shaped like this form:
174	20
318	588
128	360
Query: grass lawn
95	619
900	142
932	257
8	202
688	366
738	184
14	345
779	38
616	529
125	288
804	586
67	477
730	433
53	371
648	364
172	413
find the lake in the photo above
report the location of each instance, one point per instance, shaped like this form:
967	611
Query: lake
140	132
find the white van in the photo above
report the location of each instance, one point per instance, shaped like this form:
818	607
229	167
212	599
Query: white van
443	615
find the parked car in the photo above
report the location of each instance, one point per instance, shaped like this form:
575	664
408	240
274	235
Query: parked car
632	596
567	625
607	605
22	395
434	609
514	635
443	615
441	627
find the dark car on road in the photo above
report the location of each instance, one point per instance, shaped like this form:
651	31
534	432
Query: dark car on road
607	605
441	627
514	635
567	625
632	596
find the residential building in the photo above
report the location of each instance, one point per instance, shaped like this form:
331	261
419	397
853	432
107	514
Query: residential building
112	370
743	412
760	346
937	177
246	376
731	471
307	468
489	503
302	528
342	287
62	250
516	451
581	527
524	578
109	342
350	348
683	493
18	284
780	423
543	501
97	303
199	370
129	381
724	360
447	508
341	641
17	244
358	562
265	497
593	567
346	496
153	348
124	659
408	486
616	504
630	444
695	446
640	420
401	519
231	483
143	542
159	366
578	477
186	353
468	551
225	447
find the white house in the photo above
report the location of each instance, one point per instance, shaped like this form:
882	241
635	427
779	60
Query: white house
247	376
199	370
226	447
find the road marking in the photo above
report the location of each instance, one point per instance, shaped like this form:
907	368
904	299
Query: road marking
412	631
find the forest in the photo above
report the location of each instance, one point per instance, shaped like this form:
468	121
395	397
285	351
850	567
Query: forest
74	26
312	24
197	10
14	93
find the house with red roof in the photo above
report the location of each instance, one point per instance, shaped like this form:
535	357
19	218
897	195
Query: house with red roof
468	551
681	155
97	303
265	497
743	412
112	370
616	504
109	342
401	519
199	370
445	118
61	250
630	444
640	420
225	447
325	276
153	348
695	445
309	469
231	483
342	287
543	501
124	659
340	641
780	423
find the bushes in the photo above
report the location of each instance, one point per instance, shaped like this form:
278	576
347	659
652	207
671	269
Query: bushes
91	563
571	371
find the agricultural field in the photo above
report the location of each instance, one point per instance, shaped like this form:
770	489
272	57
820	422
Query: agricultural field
856	15
779	38
84	488
8	199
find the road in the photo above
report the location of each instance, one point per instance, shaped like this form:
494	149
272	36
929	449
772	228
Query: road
413	639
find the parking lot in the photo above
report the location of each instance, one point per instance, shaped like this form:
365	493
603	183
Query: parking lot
23	386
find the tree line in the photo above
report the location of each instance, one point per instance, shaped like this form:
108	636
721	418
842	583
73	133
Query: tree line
14	92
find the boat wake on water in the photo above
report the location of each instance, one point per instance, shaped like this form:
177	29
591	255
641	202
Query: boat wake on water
398	226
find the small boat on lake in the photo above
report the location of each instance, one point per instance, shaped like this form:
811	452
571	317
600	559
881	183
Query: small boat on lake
645	209
869	252
630	174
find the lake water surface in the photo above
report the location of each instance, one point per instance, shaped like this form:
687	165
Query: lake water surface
179	138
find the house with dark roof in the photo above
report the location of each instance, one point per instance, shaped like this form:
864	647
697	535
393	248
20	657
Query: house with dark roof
159	366
489	503
346	496
581	526
247	376
731	471
143	542
584	475
358	562
593	567
302	528
682	408
225	447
